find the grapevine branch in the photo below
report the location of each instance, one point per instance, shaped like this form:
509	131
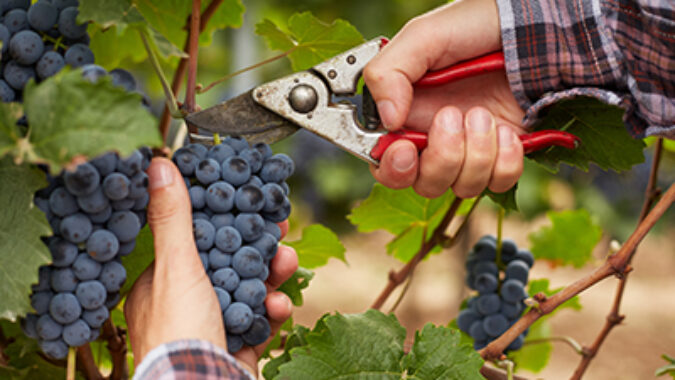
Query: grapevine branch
86	363
564	339
117	345
616	264
397	278
193	53
614	317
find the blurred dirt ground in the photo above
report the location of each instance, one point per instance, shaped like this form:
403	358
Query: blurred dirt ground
632	350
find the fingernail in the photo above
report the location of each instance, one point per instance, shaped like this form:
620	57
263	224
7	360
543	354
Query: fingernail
387	112
479	121
505	137
160	175
404	159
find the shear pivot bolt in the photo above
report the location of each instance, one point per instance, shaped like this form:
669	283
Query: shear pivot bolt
303	98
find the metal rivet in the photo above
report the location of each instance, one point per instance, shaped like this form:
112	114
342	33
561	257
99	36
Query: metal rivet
332	74
259	94
351	59
303	98
296	80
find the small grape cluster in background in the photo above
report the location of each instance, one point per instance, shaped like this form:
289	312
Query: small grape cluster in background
95	213
38	40
238	195
501	291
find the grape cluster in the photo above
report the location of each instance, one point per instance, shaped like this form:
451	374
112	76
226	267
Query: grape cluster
38	40
238	195
501	291
96	212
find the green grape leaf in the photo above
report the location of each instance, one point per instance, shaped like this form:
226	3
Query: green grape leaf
569	240
507	199
318	244
604	138
230	14
668	369
70	117
309	40
437	353
294	286
108	13
534	357
296	338
348	346
542	286
137	261
21	225
9	132
111	46
404	213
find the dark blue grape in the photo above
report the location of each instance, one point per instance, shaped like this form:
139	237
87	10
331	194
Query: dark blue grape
255	180
17	75
277	168
220	197
186	161
264	274
125	225
200	215
197	197
26	47
248	262
16	20
55	349
47	328
44	278
68	25
105	163
237	143
526	256
486	267
207	171
234	343
62	203
76	228
258	332
86	268
125	204
273	229
76	333
84	180
226	278
91	72
260	309
62	4
485	283
127	248
253	157
266	245
517	270
112	300
91	294
132	164
29	325
49	64
141	203
219	259
264	150
512	310
102	216
40	301
516	344
139	185
477	331
235	170
63	280
251	226
94	202
274	197
63	252
238	318
251	291
116	186
6	93
204	234
222	220
220	152
224	298
487	304
42	16
65	308
124	79
249	198
228	239
113	275
198	150
281	214
513	291
96	318
509	250
495	324
466	318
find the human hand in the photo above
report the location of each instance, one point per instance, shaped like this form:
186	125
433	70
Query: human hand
174	299
473	124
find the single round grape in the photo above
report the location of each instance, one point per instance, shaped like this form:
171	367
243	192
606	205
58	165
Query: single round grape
91	72
42	16
86	268
94	202
47	328
517	270
281	214
116	186
62	203
76	333
141	203
222	220
220	197
273	229
65	308
55	349
204	234
277	168
228	239
224	298
238	317
248	262
512	310
186	161
260	309
125	204
124	79
197	197
234	343
112	300
68	25
139	185
485	283
200	215
513	291
466	318
105	163
258	332
49	64
486	267
63	280
29	325
40	301
249	198
235	170
509	250
131	164
264	150
251	291
127	248
487	304
7	94
17	75
250	225
495	325
526	256
477	331
255	180
26	47
125	225
198	149
274	197
16	20
91	294
237	143
219	259
95	318
207	171
253	157
264	274
267	246
220	152
63	252
226	278
84	180
113	275
102	216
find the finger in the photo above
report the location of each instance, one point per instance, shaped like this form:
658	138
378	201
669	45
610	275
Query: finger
509	163
279	309
282	267
398	166
170	218
480	153
284	228
441	161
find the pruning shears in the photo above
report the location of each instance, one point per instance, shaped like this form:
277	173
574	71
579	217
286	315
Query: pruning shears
277	109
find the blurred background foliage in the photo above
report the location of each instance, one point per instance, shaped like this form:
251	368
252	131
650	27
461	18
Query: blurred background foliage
327	182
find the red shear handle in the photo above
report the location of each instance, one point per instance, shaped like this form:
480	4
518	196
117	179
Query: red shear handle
531	142
476	66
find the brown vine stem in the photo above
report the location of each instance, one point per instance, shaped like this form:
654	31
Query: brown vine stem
614	317
397	278
86	363
193	53
117	345
616	264
179	74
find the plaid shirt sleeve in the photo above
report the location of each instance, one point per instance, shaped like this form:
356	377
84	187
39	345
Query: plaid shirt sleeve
619	51
190	360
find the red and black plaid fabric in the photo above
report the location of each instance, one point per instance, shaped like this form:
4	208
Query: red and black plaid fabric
619	51
190	360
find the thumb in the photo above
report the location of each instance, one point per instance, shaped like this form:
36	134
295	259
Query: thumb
170	216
